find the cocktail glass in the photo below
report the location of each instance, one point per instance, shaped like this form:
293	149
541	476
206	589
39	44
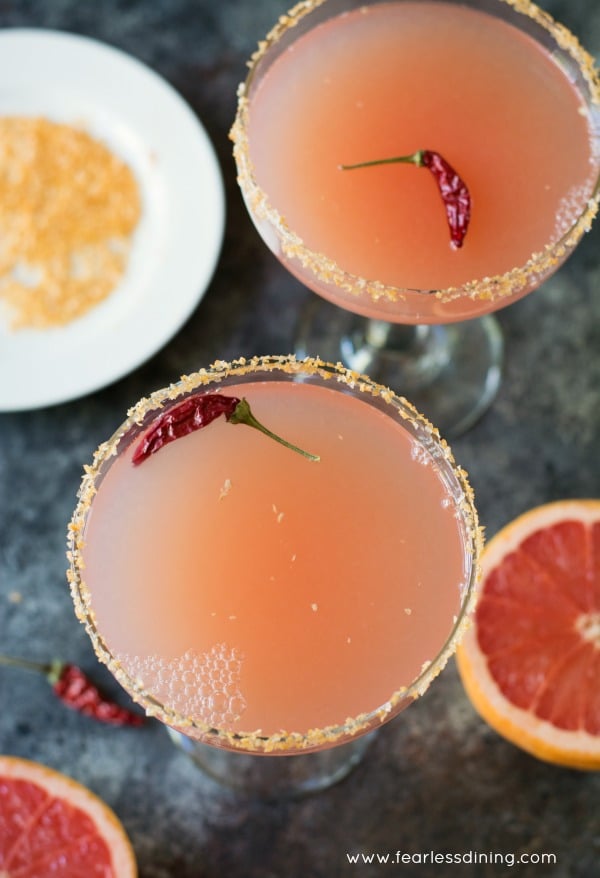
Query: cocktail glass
435	342
274	611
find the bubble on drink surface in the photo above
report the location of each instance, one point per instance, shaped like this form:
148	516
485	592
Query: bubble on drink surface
420	454
570	207
201	686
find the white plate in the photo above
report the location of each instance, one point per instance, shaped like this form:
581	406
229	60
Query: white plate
142	119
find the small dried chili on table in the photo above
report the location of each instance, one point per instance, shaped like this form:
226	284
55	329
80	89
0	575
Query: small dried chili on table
75	689
453	189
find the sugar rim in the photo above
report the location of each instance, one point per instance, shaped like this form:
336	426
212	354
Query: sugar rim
516	280
138	417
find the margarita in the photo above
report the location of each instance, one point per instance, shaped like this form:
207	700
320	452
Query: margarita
245	588
388	79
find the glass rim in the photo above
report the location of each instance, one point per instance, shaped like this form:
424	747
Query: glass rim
327	271
139	417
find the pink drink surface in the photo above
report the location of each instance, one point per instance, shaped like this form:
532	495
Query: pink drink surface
253	589
390	79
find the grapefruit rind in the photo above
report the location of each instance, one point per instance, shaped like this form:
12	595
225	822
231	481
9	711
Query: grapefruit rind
60	786
540	738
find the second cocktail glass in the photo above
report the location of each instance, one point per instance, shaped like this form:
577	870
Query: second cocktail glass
263	604
504	94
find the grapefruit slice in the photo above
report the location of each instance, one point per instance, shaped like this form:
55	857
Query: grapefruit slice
530	663
52	827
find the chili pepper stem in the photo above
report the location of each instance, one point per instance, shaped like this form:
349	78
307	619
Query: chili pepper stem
11	661
49	670
415	158
453	189
242	414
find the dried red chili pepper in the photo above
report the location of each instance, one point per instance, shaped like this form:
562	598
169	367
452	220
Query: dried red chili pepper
454	191
74	688
196	412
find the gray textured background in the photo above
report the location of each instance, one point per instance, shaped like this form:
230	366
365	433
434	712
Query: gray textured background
437	778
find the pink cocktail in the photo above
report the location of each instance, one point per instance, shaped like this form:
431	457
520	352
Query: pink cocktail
263	602
505	95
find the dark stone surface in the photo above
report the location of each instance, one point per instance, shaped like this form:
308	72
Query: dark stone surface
437	779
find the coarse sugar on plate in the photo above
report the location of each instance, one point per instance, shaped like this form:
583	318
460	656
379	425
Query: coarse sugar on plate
68	210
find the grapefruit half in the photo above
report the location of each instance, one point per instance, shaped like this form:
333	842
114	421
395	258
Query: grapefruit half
52	827
530	663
